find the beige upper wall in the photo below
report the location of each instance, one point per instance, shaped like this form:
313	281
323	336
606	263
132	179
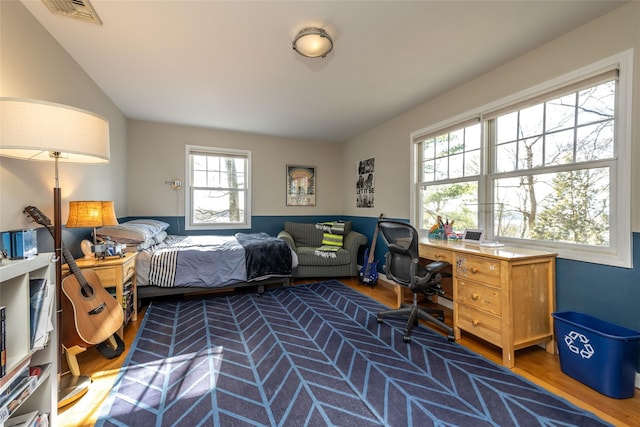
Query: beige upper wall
389	142
157	154
33	65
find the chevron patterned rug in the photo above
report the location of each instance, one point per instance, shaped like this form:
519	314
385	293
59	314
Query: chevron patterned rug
313	355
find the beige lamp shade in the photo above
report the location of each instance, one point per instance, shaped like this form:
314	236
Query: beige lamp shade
34	130
91	214
313	42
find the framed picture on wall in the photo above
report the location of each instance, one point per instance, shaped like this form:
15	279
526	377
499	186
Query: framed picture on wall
301	185
365	190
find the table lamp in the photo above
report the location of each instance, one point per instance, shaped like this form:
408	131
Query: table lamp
90	214
43	131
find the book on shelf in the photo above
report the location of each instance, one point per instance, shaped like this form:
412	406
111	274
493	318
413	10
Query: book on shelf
37	292
29	419
127	295
17	396
3	342
42	420
39	371
41	311
13	378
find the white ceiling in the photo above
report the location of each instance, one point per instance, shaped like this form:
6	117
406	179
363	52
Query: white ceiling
230	65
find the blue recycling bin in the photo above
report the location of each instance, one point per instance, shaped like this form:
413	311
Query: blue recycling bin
599	354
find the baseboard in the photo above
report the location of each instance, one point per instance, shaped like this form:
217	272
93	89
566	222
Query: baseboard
637	379
445	302
391	285
386	282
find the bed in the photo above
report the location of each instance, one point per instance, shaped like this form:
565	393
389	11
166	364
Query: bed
171	264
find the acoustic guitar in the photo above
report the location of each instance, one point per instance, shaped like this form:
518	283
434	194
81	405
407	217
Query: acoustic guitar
96	313
368	274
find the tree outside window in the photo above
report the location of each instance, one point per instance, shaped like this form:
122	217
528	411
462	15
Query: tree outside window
218	187
553	161
544	171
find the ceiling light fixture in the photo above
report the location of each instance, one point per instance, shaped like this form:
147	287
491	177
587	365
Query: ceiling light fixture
313	42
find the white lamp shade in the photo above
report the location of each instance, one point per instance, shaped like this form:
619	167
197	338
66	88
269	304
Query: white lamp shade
32	129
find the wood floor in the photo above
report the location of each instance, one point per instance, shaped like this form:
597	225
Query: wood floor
533	363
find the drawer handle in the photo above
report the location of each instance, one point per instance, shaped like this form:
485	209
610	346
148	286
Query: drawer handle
474	297
474	270
475	322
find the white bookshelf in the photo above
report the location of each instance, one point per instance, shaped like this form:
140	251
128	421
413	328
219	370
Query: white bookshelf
14	295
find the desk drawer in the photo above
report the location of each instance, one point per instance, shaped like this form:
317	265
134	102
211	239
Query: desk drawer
485	270
129	269
479	296
480	323
107	276
435	254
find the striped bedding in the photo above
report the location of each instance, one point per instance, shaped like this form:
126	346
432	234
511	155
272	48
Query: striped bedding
214	261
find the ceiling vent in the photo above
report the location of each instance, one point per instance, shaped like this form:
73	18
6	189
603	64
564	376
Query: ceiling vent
78	9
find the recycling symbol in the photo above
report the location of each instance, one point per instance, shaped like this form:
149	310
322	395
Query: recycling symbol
579	344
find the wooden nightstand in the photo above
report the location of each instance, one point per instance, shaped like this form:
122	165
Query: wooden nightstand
115	272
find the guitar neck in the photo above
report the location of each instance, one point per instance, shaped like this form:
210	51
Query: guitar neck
375	239
373	246
73	267
42	219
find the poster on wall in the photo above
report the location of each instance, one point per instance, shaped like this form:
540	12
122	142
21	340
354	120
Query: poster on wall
301	185
364	187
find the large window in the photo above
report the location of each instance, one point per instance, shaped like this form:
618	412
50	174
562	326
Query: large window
450	166
553	166
218	193
550	169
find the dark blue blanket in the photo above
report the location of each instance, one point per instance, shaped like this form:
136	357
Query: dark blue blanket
265	255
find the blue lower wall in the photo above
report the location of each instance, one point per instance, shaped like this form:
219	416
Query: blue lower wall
608	293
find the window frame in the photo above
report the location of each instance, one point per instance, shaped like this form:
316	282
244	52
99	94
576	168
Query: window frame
471	178
619	252
216	151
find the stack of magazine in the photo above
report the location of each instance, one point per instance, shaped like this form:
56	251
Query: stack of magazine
15	388
42	296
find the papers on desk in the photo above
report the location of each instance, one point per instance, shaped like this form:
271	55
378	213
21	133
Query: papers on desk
491	244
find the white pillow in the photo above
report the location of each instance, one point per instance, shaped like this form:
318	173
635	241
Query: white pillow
152	223
136	231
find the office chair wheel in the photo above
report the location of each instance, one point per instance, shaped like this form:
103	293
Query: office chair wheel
406	339
451	338
379	319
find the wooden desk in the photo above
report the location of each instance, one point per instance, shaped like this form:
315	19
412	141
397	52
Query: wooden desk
503	295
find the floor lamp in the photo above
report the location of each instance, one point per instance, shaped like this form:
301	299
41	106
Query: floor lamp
43	131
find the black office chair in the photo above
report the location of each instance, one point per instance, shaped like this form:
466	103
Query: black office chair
402	265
